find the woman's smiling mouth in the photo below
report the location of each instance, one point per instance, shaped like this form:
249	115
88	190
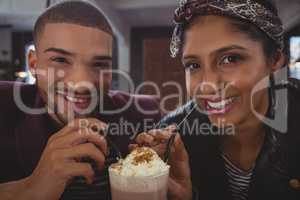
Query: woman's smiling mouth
219	106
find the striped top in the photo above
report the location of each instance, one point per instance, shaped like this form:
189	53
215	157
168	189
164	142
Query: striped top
238	179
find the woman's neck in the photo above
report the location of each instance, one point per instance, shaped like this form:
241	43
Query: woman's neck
243	147
246	137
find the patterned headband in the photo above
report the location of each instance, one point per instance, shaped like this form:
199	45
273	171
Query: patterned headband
248	10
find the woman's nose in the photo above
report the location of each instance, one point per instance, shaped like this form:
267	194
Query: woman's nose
210	84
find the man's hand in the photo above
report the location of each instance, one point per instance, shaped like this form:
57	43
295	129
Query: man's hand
60	161
180	186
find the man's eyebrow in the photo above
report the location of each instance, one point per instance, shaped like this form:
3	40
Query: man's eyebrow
102	58
59	50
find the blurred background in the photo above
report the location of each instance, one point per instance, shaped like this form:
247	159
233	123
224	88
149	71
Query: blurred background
143	29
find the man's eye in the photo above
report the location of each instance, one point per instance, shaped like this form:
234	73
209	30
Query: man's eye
60	60
102	65
230	59
192	66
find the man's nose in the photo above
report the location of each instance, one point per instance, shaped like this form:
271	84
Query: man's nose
82	78
82	74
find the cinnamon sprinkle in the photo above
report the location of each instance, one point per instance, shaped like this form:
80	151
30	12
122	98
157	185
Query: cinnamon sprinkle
143	155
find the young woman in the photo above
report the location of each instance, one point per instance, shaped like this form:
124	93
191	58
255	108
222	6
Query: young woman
240	132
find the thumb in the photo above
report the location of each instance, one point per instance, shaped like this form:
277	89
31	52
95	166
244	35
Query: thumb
179	160
178	150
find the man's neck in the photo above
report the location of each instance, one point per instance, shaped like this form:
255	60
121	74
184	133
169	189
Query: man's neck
56	121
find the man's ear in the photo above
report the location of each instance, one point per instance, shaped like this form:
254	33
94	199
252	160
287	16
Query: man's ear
278	61
32	62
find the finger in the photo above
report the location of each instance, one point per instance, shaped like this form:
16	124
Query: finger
178	189
95	125
86	150
64	131
131	147
160	149
179	150
172	127
87	124
81	137
95	138
173	188
144	139
161	136
179	160
81	169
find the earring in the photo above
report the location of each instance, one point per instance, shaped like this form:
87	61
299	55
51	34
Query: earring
272	95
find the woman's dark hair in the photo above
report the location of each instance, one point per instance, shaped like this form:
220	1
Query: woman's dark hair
269	46
269	4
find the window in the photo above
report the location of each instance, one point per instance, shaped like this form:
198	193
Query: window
295	56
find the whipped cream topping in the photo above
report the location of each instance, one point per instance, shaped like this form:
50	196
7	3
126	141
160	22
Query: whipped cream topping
142	161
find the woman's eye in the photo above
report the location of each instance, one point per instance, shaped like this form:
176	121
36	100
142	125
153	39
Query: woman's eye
192	66
230	59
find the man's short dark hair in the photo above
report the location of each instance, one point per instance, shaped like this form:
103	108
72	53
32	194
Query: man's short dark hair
72	12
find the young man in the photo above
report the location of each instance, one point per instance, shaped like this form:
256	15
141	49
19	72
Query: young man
45	135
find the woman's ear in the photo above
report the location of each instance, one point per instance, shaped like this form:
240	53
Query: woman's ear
32	62
278	61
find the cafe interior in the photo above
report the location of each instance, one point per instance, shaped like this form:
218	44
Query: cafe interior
142	35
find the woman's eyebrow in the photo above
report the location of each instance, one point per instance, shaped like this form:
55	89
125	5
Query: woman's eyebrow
189	57
228	48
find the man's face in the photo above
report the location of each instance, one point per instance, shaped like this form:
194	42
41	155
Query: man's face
72	64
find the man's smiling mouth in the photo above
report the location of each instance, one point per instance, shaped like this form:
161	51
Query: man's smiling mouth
81	101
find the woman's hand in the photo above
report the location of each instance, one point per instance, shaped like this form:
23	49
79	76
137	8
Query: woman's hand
180	186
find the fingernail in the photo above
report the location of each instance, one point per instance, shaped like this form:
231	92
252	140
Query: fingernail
101	137
173	127
95	128
91	181
107	151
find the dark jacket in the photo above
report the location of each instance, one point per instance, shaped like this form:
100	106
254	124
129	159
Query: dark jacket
277	169
23	136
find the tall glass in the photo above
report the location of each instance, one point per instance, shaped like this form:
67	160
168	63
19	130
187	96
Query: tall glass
138	188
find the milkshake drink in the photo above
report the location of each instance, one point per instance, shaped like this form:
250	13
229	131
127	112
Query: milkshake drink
142	175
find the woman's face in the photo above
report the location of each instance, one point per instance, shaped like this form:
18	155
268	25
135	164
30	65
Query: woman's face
222	67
